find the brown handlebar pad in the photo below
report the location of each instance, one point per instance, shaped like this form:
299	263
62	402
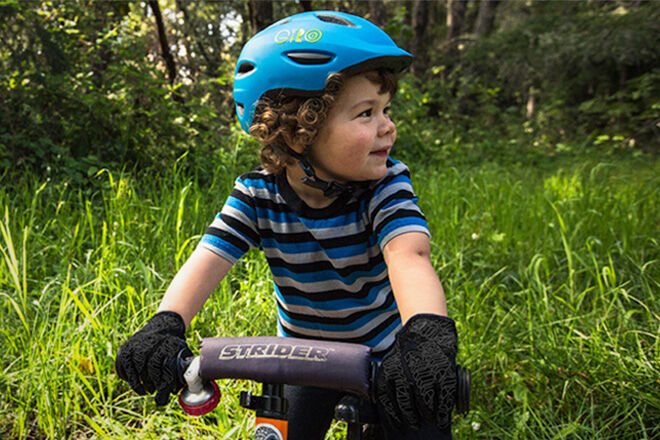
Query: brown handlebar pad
279	360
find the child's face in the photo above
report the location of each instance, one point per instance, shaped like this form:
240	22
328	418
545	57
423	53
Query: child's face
354	142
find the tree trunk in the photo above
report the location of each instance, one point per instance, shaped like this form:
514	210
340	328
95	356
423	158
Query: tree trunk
211	65
245	10
164	46
486	17
306	5
420	20
55	56
455	16
377	13
404	41
531	103
106	12
262	14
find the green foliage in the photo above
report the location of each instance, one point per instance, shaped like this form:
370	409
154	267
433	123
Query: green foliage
435	127
397	26
591	70
552	276
553	271
550	261
93	99
83	86
593	74
630	116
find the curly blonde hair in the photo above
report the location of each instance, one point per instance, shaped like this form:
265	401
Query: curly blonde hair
284	122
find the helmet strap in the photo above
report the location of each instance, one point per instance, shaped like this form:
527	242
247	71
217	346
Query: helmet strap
330	189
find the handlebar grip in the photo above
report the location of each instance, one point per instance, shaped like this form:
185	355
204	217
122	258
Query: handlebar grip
336	365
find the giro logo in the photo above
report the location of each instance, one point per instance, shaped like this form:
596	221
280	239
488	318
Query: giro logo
282	351
298	36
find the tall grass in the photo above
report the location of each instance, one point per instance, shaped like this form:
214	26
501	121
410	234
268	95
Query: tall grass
552	277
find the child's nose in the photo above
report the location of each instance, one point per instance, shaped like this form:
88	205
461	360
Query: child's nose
386	126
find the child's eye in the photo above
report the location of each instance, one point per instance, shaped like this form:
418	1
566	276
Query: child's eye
387	109
365	114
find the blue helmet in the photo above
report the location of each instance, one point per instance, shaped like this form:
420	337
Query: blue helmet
295	56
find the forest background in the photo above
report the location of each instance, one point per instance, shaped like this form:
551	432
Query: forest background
532	129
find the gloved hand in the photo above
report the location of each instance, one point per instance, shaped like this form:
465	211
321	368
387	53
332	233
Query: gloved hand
147	361
416	383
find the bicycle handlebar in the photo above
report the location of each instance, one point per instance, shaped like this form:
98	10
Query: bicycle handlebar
292	361
336	365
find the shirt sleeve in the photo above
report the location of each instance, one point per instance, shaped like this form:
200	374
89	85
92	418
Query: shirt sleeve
234	230
393	209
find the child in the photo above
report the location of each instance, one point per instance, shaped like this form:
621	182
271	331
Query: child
338	223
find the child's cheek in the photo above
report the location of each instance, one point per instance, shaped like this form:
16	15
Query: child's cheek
355	143
366	138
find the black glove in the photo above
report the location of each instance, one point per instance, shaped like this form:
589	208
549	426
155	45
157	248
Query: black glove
147	361
416	383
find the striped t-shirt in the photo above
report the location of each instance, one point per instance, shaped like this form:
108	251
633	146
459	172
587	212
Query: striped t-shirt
328	268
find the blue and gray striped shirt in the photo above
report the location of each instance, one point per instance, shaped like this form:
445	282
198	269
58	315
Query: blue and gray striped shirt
328	268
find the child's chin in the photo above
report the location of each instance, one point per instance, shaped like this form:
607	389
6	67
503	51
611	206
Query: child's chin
380	173
374	173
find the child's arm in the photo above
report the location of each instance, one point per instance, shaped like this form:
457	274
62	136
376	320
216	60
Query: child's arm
416	286
416	383
144	361
194	283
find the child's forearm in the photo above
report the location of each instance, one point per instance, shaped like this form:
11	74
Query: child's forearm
417	288
194	283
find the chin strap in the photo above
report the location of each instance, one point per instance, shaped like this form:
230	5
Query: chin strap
330	189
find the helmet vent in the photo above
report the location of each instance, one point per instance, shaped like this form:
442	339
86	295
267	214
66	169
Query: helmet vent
245	68
329	18
310	58
240	109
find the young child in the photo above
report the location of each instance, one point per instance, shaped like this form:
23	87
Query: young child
337	221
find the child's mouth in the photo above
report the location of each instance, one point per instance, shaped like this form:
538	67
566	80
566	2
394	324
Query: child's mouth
383	152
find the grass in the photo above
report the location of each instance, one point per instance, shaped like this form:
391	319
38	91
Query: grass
551	274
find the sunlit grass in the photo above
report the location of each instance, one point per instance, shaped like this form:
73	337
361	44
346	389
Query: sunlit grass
552	277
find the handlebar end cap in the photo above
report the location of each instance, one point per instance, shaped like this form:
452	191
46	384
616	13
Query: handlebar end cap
463	388
202	408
